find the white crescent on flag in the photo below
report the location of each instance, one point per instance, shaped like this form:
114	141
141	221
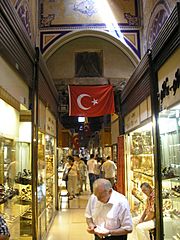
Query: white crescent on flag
79	99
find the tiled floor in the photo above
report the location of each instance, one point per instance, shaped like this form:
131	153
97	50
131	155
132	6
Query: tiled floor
69	223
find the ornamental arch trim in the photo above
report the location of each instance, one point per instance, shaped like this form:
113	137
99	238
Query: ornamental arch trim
60	41
158	17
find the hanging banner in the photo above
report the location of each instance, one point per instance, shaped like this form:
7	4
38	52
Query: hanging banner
75	141
91	101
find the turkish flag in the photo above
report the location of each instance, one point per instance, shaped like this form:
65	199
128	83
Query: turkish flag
91	101
75	141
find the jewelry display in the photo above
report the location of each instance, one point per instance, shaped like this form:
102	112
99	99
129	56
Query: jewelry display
141	166
170	171
24	177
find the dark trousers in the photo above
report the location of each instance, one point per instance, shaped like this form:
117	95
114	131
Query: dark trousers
92	178
124	237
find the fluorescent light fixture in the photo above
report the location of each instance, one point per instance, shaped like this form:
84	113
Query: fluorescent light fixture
81	119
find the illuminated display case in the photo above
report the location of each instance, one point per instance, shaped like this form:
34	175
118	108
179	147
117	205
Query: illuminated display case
114	152
140	166
15	187
41	186
169	125
50	177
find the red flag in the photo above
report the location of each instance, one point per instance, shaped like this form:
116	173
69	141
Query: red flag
75	141
91	101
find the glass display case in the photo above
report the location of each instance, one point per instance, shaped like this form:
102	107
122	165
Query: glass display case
15	187
50	177
140	166
107	151
41	186
114	152
169	126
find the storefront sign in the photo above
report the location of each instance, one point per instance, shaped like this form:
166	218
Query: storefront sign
42	116
50	124
169	81
9	121
132	119
143	110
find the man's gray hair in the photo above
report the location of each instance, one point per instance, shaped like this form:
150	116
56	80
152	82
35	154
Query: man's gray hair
145	184
106	184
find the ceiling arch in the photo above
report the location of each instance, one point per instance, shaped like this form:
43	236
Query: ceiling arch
123	46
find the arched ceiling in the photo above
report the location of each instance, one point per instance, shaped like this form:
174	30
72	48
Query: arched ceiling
92	33
118	59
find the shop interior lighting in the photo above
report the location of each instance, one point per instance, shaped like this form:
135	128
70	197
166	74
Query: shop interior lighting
66	148
47	137
177	113
81	119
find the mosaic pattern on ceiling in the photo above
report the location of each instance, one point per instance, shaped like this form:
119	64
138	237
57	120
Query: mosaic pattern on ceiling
158	17
158	22
23	9
117	17
56	13
86	7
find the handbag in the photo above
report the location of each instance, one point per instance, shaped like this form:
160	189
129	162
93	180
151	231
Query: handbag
65	174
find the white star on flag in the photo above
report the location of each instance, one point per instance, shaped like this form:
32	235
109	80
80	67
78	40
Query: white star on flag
94	101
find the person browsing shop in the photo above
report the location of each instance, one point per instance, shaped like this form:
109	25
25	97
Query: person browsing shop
72	182
107	213
91	167
82	172
4	231
109	170
142	224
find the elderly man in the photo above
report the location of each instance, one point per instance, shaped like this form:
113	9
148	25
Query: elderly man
145	222
108	213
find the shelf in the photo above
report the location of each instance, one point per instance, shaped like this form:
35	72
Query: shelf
138	198
174	178
148	175
142	155
49	176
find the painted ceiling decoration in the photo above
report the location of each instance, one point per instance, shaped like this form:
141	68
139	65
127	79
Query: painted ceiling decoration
90	11
23	8
119	18
48	38
158	18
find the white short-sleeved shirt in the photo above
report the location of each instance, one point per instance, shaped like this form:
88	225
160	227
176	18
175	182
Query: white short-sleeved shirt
109	169
112	215
91	163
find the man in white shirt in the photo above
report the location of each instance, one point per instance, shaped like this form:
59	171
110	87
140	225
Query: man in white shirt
109	170
107	213
91	167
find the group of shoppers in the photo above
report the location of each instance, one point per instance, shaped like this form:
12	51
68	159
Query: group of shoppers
77	170
98	169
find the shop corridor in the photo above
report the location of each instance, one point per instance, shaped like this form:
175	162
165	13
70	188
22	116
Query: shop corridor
69	223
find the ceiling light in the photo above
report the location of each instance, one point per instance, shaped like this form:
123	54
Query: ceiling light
81	119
